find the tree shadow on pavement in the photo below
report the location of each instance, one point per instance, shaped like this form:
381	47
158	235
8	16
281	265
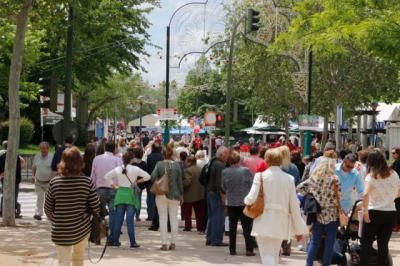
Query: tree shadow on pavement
25	244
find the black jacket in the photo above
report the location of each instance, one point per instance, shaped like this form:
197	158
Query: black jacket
311	208
396	166
3	166
152	160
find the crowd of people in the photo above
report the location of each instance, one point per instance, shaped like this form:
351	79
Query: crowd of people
112	176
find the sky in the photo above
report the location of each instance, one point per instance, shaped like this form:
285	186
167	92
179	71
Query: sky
188	29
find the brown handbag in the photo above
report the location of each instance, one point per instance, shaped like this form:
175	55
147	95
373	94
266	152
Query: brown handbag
160	186
257	208
343	219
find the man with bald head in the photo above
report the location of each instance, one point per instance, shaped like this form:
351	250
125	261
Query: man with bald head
41	175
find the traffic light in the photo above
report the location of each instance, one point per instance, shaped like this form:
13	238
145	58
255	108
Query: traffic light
48	94
252	21
44	98
219	121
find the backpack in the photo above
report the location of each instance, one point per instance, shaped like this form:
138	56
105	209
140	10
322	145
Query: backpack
205	172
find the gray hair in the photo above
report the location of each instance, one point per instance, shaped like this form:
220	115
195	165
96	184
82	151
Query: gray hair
221	150
44	143
200	154
350	157
329	146
4	144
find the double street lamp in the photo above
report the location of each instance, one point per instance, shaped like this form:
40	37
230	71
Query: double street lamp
166	131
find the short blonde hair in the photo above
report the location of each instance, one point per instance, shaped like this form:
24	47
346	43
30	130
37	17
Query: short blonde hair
234	157
273	157
284	150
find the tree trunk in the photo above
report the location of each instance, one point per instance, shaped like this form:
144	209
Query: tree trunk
53	91
14	116
67	123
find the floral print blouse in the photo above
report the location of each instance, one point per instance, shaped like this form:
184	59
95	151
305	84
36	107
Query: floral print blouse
323	191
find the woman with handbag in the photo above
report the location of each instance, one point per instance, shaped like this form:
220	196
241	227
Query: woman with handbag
124	179
382	187
168	188
322	184
281	216
71	199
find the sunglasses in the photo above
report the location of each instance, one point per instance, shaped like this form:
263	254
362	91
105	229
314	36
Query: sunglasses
348	166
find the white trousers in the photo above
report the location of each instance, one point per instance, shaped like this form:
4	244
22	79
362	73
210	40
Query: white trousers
167	207
74	254
41	189
269	250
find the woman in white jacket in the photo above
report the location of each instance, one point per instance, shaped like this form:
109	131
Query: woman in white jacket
281	217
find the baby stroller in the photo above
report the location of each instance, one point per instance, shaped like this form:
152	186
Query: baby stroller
351	241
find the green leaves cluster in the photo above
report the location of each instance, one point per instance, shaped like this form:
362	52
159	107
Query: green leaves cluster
203	91
109	40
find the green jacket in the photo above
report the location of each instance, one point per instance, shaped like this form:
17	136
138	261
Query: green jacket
175	177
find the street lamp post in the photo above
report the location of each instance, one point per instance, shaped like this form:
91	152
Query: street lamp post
229	82
374	106
166	131
308	134
140	101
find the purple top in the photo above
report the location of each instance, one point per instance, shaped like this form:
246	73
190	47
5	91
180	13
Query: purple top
102	164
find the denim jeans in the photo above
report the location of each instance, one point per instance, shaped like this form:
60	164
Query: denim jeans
107	196
140	205
318	231
120	211
151	203
216	218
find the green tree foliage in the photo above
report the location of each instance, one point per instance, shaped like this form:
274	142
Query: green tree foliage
118	97
28	90
203	91
331	27
265	83
26	131
355	63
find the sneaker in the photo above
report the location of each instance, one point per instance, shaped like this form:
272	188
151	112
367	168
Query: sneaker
250	253
187	229
153	228
37	217
135	245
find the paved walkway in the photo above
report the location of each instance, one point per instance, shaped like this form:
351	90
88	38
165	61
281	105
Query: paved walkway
29	244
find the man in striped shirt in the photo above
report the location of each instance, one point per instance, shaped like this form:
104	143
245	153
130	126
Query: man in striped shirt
102	164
